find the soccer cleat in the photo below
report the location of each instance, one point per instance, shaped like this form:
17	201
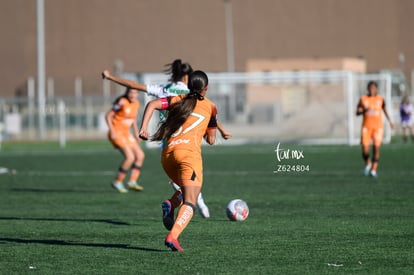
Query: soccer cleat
202	207
167	214
373	174
173	243
117	185
134	186
204	212
367	170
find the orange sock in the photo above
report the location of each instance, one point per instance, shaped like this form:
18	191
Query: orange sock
185	214
121	175
176	199
374	166
135	172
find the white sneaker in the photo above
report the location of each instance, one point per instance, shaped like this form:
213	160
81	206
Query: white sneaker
117	185
367	170
202	207
373	174
133	185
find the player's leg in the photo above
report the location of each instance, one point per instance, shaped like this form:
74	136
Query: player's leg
365	141
365	157
139	157
404	132
168	206
168	209
377	141
185	214
123	169
201	205
375	160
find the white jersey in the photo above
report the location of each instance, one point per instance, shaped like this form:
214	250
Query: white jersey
165	90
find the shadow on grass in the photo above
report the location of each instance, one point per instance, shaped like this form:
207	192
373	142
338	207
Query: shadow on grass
65	220
60	242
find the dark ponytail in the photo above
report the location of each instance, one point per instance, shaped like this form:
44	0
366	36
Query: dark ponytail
125	95
181	110
178	70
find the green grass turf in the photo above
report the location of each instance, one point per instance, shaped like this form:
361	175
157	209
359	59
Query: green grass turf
58	214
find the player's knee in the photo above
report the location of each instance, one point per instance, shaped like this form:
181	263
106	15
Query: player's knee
191	205
122	170
140	155
130	159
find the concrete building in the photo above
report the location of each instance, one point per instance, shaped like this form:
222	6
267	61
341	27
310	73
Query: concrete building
82	37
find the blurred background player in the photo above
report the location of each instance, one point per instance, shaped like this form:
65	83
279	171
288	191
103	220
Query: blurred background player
371	106
120	119
406	109
179	73
191	118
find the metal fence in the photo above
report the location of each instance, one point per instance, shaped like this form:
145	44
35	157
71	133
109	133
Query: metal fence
305	106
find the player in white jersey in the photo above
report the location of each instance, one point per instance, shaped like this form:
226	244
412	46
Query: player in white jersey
178	85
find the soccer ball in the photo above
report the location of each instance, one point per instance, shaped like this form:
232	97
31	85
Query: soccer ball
237	210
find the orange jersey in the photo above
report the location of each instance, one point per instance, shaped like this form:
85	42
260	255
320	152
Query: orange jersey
373	106
125	114
181	157
190	135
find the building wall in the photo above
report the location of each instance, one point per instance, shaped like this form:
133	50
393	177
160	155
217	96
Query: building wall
85	36
306	64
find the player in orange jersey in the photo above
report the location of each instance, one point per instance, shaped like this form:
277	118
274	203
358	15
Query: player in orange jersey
120	119
179	73
371	107
191	118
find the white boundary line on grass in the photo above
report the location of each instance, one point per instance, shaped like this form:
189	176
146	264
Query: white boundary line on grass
43	173
60	173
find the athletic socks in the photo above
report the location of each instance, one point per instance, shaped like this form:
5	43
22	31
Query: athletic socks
135	172
185	214
121	175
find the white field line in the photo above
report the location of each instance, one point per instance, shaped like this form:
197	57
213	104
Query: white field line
66	173
69	152
72	173
256	173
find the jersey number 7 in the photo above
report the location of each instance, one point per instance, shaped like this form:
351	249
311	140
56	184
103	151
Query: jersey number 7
180	130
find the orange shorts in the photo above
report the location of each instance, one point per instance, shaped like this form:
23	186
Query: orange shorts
374	134
183	165
122	139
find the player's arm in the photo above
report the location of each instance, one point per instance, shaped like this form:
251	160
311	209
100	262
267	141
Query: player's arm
156	104
108	118
124	82
210	135
360	108
224	133
387	116
135	129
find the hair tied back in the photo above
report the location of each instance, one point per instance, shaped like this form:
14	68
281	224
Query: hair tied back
195	95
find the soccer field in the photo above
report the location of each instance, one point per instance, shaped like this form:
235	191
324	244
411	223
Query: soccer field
317	215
